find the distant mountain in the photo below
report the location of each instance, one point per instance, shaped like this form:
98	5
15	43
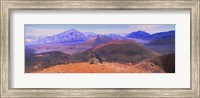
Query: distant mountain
142	35
164	41
163	35
71	35
138	35
163	46
124	51
89	34
71	47
97	40
116	37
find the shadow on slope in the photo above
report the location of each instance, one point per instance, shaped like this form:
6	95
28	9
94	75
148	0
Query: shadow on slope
35	62
165	62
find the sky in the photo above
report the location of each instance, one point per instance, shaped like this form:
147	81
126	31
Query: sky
43	30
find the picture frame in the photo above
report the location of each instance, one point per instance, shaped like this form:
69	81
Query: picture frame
7	6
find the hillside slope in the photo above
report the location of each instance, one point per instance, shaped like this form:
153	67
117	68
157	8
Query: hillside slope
123	51
43	60
165	62
97	40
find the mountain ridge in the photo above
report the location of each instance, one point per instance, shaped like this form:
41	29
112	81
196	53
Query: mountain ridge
146	36
71	35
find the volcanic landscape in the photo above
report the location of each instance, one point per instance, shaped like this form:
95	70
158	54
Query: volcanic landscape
73	51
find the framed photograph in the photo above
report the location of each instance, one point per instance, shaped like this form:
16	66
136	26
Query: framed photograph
98	48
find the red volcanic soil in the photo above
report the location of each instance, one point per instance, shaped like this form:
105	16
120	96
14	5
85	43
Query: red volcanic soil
149	67
106	67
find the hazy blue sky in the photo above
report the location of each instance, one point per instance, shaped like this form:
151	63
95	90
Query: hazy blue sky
42	30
